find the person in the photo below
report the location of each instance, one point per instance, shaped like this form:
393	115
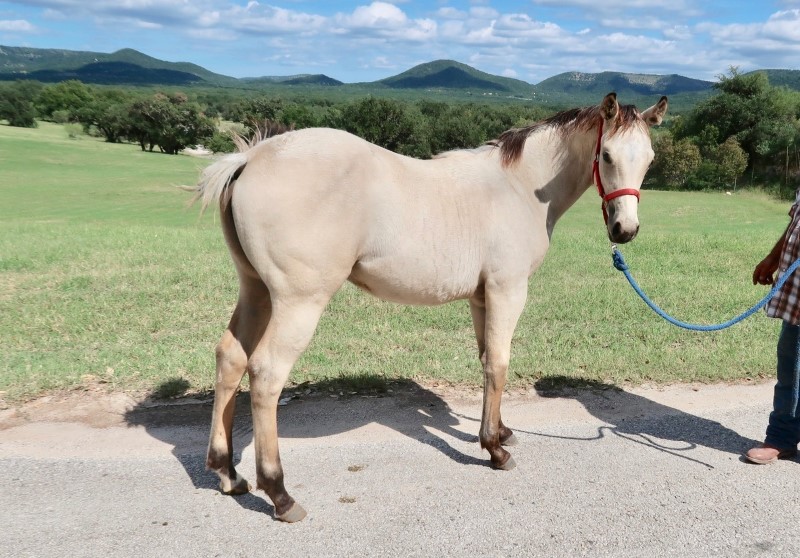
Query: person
783	429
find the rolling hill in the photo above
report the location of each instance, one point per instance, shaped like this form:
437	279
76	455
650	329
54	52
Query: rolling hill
120	67
449	74
131	67
783	78
302	79
585	87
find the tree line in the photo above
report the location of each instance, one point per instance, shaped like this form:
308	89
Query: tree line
748	132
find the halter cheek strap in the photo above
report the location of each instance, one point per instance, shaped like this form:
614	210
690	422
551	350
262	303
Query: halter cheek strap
599	182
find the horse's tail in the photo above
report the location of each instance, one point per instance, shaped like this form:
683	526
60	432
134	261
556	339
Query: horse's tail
216	180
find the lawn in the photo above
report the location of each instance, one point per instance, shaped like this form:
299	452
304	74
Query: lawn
107	278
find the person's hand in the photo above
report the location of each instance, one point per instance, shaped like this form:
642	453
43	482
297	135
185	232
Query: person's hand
764	273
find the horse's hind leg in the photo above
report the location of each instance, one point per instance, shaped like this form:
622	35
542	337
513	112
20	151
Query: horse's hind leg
290	329
246	326
477	306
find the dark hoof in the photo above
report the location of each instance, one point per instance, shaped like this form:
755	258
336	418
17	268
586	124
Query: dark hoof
293	514
510	440
506	463
241	487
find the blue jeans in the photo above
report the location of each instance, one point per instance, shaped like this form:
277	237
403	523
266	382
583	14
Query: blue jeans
783	430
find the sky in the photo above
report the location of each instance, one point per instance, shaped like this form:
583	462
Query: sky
356	41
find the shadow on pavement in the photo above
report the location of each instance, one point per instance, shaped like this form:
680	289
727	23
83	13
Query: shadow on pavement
311	411
642	421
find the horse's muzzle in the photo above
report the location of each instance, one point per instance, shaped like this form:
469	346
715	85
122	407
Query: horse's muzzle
619	235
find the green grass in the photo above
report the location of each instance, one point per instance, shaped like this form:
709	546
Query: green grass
107	278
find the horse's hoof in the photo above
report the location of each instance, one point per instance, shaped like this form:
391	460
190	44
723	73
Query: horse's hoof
510	441
292	515
240	487
507	466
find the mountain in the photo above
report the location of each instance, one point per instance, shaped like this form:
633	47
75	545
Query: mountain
112	73
302	79
120	67
784	78
448	77
449	74
590	87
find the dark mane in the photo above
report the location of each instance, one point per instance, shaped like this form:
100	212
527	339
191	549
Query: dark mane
512	142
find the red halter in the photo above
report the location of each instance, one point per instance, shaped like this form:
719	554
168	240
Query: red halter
599	183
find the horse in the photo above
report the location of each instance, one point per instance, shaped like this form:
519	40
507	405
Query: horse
305	211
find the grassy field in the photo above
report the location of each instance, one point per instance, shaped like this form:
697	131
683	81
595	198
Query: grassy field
107	278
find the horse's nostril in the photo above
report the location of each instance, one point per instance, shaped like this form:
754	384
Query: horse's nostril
616	232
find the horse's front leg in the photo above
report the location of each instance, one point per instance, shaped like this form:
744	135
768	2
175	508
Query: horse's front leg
477	306
503	306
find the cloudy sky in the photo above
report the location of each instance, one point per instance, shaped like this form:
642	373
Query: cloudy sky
365	41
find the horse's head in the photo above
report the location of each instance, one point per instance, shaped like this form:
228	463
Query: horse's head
623	154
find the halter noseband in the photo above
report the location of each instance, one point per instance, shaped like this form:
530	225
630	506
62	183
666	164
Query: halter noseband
599	183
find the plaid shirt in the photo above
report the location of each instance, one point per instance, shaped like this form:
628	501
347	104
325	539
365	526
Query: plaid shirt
786	302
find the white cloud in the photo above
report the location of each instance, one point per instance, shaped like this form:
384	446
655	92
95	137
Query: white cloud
16	25
784	26
379	15
450	13
620	6
260	20
644	22
385	21
678	33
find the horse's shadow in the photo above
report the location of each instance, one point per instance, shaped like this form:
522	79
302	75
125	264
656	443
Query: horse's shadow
328	408
645	422
316	410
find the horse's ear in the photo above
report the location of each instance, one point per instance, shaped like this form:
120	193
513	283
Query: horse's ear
610	106
655	114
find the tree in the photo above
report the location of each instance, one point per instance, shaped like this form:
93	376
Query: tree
675	161
70	96
16	104
760	117
731	161
170	122
386	123
107	112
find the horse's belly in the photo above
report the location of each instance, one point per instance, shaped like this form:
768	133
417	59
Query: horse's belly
414	284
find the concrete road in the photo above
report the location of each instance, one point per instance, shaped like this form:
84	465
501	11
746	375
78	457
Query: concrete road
645	472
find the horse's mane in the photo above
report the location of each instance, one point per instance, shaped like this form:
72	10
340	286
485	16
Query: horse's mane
511	142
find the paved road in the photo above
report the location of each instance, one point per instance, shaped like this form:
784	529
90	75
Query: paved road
647	472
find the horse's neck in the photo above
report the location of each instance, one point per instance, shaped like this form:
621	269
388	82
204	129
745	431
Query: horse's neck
558	169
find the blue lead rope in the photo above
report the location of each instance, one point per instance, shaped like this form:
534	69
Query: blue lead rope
619	263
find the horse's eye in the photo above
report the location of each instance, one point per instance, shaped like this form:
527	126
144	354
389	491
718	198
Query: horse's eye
606	157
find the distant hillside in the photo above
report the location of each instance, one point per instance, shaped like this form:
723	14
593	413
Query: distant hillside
784	78
58	65
302	79
448	74
590	87
441	77
111	73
